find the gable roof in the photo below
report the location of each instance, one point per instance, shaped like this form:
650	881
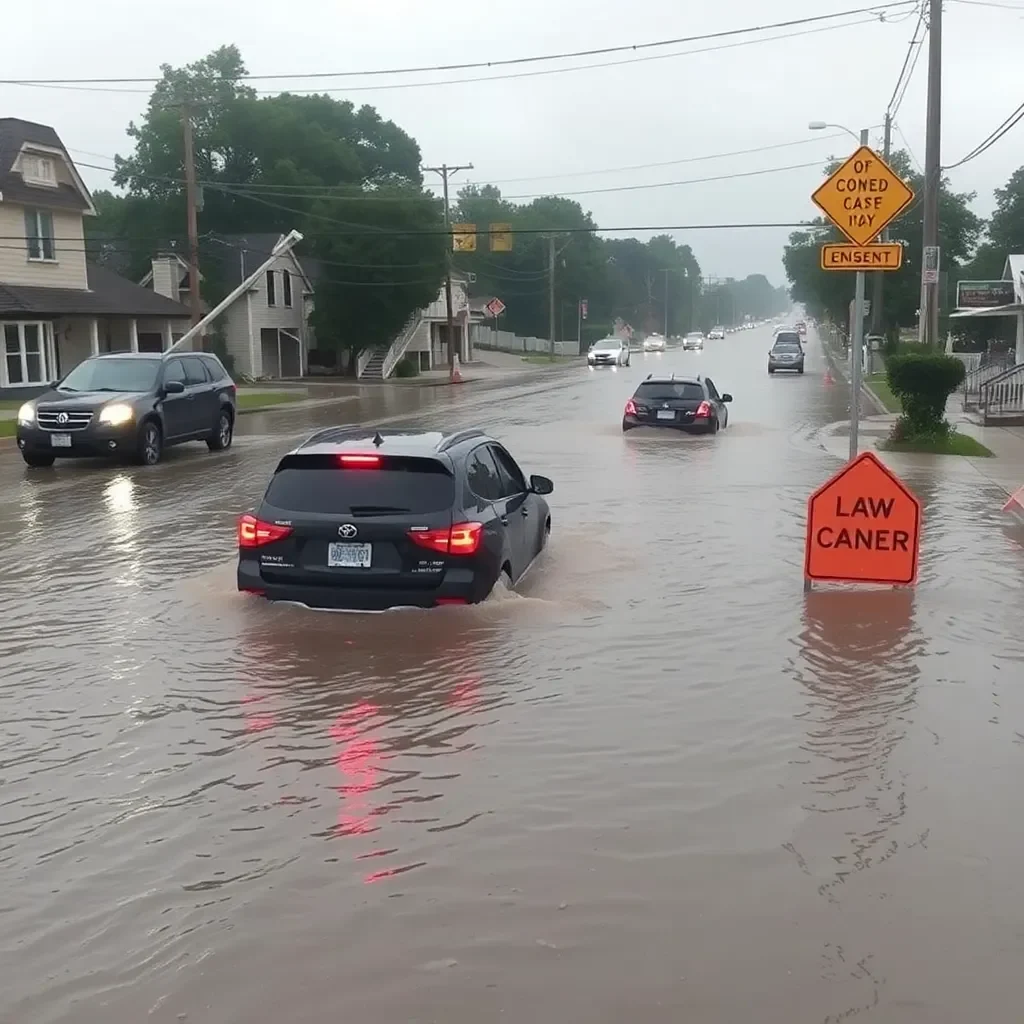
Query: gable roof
16	134
1014	271
109	294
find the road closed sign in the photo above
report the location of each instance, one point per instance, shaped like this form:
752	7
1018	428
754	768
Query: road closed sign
863	526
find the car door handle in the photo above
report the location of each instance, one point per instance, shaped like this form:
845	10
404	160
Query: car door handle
524	512
504	520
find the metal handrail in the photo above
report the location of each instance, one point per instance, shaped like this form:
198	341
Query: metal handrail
400	344
1003	393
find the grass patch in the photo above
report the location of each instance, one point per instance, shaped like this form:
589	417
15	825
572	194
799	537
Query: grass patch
8	427
878	385
12	404
262	400
954	444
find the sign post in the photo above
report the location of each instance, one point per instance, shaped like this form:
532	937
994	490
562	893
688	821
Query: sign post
863	526
861	197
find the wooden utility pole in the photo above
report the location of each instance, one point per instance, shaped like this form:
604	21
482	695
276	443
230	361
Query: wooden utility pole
191	201
551	292
929	319
445	171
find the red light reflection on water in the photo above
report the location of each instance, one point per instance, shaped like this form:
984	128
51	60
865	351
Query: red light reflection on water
356	762
256	721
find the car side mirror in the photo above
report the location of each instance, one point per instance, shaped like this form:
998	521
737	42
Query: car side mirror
541	485
726	397
174	387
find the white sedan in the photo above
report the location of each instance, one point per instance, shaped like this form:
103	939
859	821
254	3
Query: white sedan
654	343
716	334
694	342
609	352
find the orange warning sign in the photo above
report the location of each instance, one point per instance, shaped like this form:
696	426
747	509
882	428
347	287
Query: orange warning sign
863	526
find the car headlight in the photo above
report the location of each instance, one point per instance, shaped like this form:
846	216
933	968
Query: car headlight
27	413
117	415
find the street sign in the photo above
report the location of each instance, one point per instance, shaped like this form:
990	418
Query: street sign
930	265
863	526
583	309
495	307
501	237
464	237
843	256
984	294
862	196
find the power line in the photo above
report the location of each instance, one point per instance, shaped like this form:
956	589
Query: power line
906	144
913	51
990	3
991	139
876	10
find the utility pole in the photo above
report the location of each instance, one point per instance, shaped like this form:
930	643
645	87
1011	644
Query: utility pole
445	171
191	201
551	292
856	349
878	290
665	272
928	328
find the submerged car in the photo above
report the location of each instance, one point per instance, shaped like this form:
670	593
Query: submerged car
130	405
689	404
609	352
654	343
716	334
370	520
694	342
786	353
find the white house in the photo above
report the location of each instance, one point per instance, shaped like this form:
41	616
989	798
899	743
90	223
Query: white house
56	308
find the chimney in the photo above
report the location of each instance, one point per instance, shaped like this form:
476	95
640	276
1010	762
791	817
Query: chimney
166	276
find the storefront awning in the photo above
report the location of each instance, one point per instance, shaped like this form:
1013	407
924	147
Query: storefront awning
1013	309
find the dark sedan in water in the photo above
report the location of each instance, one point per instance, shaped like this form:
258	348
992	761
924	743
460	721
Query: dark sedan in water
690	404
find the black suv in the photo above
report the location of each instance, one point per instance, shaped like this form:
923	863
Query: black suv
691	404
374	520
130	404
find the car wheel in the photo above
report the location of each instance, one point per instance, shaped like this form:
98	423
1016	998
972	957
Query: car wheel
223	432
626	426
545	536
36	460
151	443
770	371
800	370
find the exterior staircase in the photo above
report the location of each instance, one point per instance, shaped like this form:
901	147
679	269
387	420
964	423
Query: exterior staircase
374	369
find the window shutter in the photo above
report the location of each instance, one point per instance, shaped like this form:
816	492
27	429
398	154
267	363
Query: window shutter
31	234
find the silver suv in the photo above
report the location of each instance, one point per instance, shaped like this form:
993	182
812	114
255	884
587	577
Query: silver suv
786	353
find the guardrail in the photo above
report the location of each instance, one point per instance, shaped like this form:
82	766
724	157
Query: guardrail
1002	397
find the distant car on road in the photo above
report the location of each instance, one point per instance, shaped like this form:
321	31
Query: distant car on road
690	404
694	342
130	405
786	353
369	520
716	334
654	343
609	352
801	328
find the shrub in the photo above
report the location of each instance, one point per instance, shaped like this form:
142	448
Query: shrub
406	367
923	382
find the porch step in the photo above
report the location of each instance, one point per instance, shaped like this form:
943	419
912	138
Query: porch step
374	369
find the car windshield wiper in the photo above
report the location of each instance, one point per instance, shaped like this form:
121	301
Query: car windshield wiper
110	389
377	510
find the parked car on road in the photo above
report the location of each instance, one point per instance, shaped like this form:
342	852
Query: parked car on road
690	404
130	405
370	520
609	352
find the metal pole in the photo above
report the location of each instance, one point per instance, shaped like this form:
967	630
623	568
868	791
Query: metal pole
878	283
579	325
928	329
551	292
193	226
856	348
665	272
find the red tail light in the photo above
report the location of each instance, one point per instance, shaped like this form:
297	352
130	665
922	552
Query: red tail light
630	409
254	533
461	539
441	601
703	411
359	461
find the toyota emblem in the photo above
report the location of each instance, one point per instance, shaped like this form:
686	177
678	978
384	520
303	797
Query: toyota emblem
347	530
62	417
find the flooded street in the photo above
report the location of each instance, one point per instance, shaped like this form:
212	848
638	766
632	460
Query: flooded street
661	783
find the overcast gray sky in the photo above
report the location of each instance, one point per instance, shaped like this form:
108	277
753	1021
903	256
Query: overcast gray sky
558	125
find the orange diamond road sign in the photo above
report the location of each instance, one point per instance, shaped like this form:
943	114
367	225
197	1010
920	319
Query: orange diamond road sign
862	196
863	526
843	256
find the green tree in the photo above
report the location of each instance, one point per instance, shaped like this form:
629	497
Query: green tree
1006	228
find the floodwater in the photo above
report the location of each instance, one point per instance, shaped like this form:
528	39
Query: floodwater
660	784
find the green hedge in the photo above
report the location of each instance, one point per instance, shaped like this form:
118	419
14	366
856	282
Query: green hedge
923	382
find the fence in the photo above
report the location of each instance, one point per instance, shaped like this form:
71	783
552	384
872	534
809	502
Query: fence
506	341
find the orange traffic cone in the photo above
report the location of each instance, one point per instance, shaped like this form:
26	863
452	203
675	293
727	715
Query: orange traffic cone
456	375
828	379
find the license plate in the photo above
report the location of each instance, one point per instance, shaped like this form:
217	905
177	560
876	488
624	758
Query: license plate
60	440
666	414
349	556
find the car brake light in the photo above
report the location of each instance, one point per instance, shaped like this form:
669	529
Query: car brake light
254	533
359	461
703	411
460	539
630	408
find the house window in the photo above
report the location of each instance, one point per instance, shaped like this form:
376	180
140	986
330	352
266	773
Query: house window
271	292
39	234
38	170
286	288
25	354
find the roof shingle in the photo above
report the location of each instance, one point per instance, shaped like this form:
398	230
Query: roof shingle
14	133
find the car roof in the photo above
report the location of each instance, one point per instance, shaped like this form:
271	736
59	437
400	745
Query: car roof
416	443
672	379
131	355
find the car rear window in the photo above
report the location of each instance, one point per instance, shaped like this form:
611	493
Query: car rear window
322	484
655	392
787	341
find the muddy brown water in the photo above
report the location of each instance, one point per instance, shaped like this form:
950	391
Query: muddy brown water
659	784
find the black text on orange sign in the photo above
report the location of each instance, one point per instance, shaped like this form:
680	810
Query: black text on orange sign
868	538
863	194
888	256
